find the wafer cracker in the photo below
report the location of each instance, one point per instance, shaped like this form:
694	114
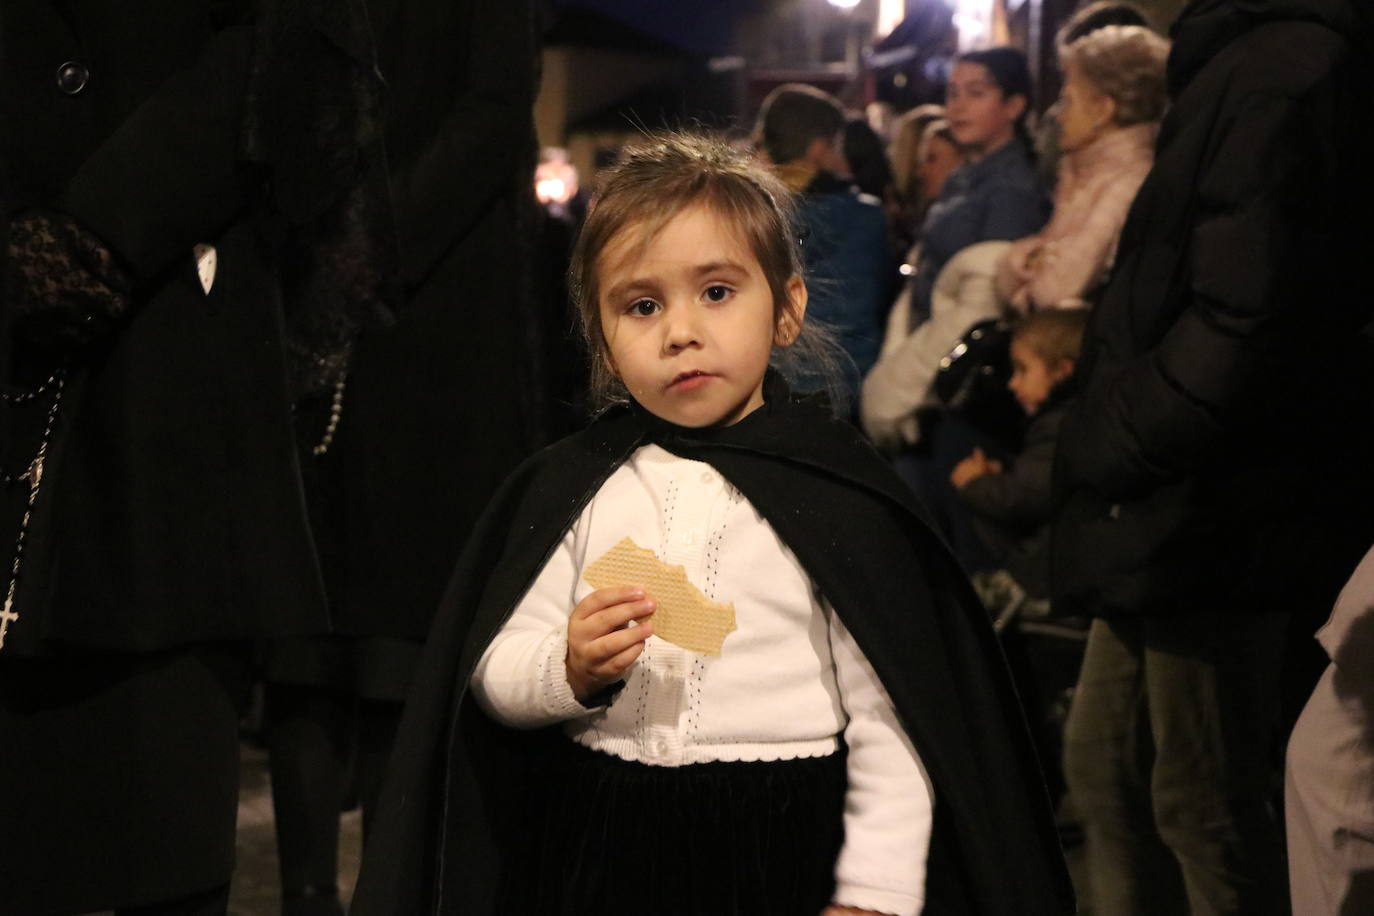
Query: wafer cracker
684	616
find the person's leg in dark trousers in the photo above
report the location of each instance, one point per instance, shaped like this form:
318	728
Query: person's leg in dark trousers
309	742
377	723
214	902
1108	757
1171	745
1213	682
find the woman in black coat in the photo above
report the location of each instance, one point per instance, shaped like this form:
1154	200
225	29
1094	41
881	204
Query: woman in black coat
1213	476
153	500
221	218
402	451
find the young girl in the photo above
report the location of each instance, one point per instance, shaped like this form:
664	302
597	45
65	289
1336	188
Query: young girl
996	194
1013	506
844	741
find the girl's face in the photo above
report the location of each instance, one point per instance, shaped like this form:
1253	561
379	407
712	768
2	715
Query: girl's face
1032	376
689	320
981	117
938	158
1084	111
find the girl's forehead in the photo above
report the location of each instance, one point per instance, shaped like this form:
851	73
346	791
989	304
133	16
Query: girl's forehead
709	233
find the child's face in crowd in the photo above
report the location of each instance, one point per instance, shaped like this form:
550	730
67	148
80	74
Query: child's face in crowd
689	319
980	116
1032	376
938	159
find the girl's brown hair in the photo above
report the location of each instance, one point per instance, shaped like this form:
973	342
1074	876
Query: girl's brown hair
655	180
1053	334
907	133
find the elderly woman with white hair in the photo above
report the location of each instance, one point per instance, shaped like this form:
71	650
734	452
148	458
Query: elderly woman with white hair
1108	112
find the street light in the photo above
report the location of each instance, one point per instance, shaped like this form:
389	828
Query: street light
973	20
890	15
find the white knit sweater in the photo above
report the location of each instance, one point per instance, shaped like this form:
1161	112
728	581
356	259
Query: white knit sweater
788	681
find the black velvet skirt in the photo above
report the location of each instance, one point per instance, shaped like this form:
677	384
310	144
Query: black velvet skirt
712	839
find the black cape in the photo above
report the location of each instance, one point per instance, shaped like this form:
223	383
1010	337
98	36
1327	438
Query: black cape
447	826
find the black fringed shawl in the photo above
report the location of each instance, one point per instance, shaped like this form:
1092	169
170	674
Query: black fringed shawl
314	122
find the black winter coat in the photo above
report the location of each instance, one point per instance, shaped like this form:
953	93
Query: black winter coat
442	405
1012	510
170	509
1219	455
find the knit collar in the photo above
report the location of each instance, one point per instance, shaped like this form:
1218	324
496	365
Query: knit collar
1112	149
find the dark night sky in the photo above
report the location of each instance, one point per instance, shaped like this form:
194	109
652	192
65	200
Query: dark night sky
701	26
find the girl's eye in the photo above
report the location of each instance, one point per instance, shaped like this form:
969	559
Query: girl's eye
643	307
717	293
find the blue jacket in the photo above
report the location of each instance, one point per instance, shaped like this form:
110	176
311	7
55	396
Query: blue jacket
845	248
998	198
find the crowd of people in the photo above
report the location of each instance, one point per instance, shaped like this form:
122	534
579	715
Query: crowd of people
1145	323
868	403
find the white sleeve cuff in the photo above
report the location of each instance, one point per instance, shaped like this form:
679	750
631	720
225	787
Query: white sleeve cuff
556	693
877	900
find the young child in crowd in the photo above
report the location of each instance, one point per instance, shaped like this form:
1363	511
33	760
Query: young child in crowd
800	131
1012	509
788	701
1012	506
995	196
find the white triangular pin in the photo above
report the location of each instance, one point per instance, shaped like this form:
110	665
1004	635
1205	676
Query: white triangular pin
206	261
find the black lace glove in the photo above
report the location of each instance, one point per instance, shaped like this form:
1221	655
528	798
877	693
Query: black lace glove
66	291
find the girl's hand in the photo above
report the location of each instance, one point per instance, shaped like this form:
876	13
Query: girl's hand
836	910
600	644
971	468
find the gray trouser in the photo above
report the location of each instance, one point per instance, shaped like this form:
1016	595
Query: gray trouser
1329	798
1169	761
